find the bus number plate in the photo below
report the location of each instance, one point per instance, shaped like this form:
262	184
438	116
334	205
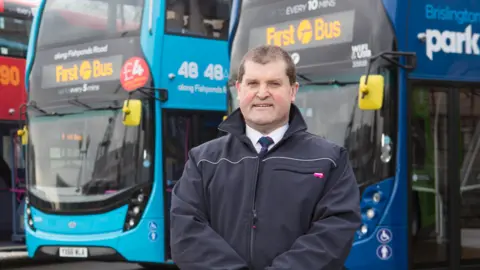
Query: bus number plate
74	252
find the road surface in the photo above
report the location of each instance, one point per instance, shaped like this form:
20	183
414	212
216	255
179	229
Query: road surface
82	266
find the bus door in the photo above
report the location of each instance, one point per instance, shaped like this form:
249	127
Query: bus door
5	182
183	130
444	176
18	184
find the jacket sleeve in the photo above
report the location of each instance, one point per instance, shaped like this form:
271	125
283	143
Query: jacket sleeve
337	216
194	244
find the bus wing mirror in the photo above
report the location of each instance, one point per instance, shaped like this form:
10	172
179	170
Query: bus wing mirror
370	92
371	88
23	134
132	112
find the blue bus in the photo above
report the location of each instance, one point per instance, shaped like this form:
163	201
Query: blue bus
398	84
118	92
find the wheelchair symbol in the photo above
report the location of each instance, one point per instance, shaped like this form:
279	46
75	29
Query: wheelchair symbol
384	236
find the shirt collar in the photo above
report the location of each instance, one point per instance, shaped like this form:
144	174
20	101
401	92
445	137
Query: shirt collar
255	135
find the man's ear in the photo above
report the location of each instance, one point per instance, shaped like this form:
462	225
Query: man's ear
237	85
294	91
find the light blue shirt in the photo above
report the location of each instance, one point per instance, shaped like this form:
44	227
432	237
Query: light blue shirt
255	135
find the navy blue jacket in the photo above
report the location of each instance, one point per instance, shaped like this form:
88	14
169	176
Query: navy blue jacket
297	207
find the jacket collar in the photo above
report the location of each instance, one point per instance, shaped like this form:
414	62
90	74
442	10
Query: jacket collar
235	123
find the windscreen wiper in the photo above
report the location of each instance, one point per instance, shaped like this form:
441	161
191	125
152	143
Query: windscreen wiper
330	82
32	104
163	94
77	102
303	77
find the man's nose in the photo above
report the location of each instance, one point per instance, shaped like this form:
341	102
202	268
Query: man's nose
263	92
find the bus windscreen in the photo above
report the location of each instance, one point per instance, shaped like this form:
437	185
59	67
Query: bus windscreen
15	23
73	21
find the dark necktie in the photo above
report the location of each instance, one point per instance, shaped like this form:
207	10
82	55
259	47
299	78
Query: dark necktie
265	142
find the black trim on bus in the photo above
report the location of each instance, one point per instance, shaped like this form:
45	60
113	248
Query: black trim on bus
453	173
85	208
409	87
99	38
95	253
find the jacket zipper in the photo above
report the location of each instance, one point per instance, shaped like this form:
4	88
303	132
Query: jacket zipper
254	213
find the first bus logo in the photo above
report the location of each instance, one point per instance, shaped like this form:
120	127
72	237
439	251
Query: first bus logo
304	32
85	71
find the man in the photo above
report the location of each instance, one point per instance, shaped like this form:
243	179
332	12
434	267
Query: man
268	195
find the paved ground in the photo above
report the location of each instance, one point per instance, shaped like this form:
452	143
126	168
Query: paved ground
13	256
10	255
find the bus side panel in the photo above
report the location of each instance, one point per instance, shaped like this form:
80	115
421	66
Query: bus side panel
373	252
195	73
377	248
151	226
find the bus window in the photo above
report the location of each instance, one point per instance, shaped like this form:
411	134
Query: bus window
75	20
14	34
209	19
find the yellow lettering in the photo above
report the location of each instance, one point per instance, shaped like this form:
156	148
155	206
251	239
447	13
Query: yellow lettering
281	38
289	37
9	75
337	29
108	68
85	70
102	70
305	32
14	76
272	36
73	72
327	30
63	74
97	69
319	29
59	76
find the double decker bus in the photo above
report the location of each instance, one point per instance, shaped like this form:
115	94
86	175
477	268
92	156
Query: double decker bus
397	84
15	22
118	92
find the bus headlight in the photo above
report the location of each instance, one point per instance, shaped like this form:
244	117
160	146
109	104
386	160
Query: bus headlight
136	207
28	214
376	197
364	229
370	213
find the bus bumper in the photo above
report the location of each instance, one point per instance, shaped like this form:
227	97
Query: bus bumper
143	243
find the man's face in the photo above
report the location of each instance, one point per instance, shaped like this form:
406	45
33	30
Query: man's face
265	95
